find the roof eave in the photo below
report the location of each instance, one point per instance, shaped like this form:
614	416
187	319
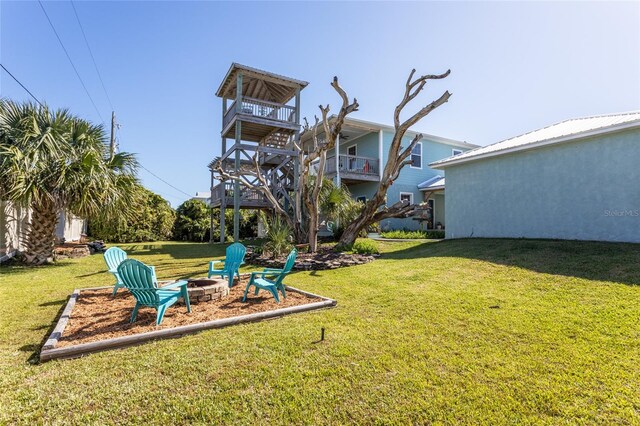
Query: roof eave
234	66
442	164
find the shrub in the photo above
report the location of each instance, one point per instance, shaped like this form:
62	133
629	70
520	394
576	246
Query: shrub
411	235
149	218
278	237
192	221
365	247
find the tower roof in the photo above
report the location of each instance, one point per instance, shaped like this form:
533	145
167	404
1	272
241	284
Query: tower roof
259	84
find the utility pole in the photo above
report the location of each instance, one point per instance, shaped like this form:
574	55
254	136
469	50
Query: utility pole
112	146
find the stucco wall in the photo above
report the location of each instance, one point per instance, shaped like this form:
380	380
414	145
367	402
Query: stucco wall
583	190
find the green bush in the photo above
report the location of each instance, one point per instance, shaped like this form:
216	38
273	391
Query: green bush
278	237
411	235
149	218
192	221
365	247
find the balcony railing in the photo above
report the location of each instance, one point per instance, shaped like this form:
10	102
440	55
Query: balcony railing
262	109
247	196
353	164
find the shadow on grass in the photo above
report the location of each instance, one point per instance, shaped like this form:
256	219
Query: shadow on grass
34	357
178	250
92	274
16	268
54	302
615	262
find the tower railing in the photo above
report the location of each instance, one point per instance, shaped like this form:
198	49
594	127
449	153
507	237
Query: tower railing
262	109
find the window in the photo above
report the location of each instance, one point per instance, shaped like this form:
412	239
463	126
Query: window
407	196
362	199
416	156
456	152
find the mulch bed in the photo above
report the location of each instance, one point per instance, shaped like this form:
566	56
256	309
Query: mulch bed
324	258
97	315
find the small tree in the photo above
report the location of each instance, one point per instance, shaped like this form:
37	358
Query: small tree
374	210
192	221
150	218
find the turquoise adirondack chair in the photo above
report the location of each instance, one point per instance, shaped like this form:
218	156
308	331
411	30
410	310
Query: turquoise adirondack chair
113	257
141	281
234	258
273	284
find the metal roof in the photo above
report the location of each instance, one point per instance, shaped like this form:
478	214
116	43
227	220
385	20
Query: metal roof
259	84
433	183
563	131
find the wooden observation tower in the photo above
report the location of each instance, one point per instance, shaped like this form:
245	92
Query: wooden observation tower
261	116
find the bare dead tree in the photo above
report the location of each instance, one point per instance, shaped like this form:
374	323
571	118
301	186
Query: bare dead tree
375	209
309	186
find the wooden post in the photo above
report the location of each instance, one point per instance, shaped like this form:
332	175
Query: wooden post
337	160
236	184
112	144
223	208
223	198
296	162
211	210
380	152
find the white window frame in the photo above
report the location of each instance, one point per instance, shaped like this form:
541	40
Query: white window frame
410	194
411	155
455	152
355	145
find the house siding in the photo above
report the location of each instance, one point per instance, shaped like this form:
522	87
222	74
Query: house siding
580	190
367	145
411	177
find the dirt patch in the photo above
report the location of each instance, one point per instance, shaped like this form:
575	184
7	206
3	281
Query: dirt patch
97	315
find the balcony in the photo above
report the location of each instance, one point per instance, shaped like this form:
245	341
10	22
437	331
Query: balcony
250	199
259	117
354	168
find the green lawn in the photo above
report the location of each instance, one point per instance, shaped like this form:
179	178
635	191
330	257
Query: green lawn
455	332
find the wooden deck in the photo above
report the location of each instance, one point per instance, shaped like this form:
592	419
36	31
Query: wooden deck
259	119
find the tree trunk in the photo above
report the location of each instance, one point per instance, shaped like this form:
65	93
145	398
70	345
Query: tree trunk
41	236
312	236
352	230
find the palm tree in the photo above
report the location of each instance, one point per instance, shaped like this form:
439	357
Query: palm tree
336	204
52	161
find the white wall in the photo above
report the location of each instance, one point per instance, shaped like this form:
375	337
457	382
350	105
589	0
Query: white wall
15	220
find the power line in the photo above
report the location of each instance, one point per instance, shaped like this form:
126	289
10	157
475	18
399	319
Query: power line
22	85
70	61
158	177
91	53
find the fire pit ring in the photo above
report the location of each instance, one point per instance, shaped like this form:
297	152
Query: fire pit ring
206	289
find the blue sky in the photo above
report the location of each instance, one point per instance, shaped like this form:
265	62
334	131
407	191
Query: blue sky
515	66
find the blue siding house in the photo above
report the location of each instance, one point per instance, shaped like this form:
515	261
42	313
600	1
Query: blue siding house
578	179
359	158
